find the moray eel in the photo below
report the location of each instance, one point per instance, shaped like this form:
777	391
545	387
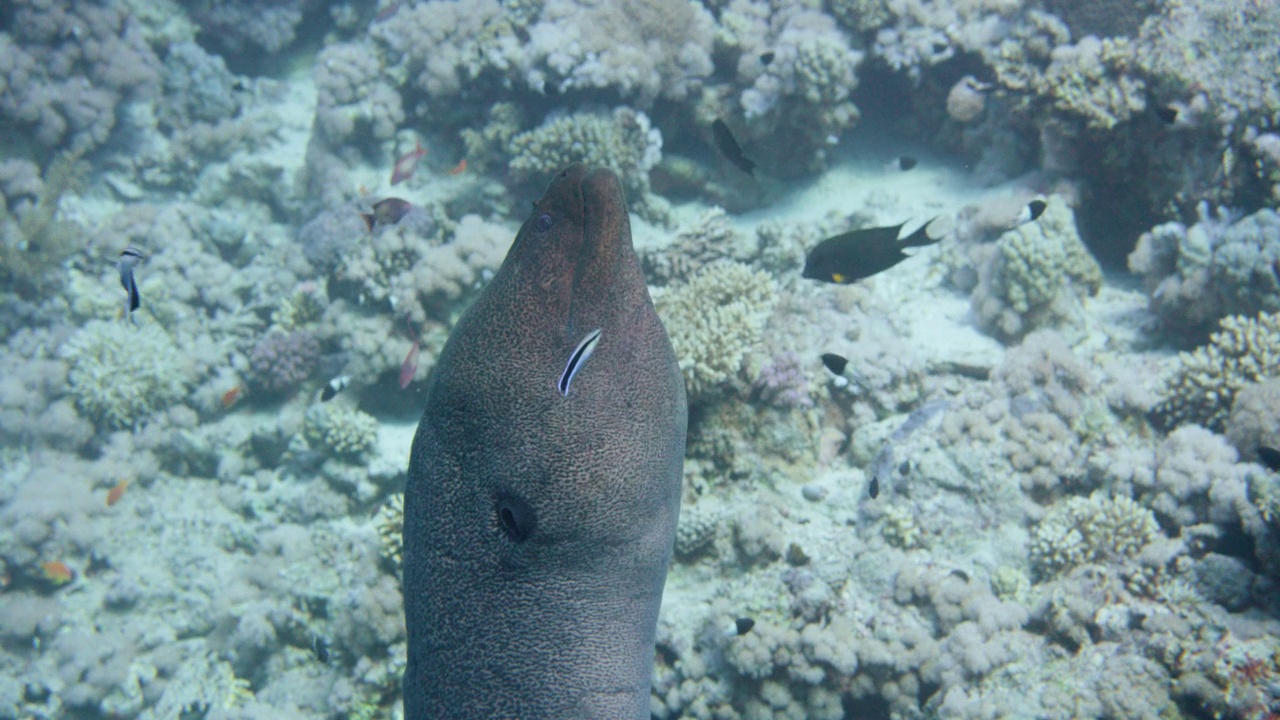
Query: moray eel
544	479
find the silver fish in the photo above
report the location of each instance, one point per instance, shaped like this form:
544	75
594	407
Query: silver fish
578	359
129	259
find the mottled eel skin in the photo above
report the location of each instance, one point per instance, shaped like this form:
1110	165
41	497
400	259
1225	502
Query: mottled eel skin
537	525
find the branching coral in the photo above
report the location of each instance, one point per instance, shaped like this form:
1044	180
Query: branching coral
1201	391
340	431
1080	530
1089	80
1211	47
623	141
713	320
390	523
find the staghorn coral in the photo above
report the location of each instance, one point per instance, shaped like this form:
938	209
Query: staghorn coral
1205	384
1080	531
120	374
713	320
1037	276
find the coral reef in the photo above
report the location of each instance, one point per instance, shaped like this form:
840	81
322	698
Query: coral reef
1207	379
1080	530
68	67
1255	417
121	375
354	99
1217	267
714	319
340	431
279	361
1037	276
623	141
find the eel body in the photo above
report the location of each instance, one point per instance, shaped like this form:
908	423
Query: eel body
544	479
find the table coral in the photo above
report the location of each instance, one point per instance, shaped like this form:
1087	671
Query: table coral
122	374
1207	379
714	320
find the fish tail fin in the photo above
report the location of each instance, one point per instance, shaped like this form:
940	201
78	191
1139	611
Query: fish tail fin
134	300
368	220
920	236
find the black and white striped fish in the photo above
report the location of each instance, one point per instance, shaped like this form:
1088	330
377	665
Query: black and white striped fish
129	259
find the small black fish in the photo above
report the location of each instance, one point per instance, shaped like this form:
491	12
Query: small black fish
744	625
961	574
320	647
386	212
766	57
1167	113
906	162
1270	457
129	259
874	489
333	387
730	149
862	253
1035	209
835	363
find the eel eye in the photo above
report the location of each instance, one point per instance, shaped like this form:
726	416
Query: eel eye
543	223
516	518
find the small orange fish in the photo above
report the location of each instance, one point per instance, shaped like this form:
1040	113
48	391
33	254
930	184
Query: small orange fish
459	168
57	572
407	163
116	492
232	396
